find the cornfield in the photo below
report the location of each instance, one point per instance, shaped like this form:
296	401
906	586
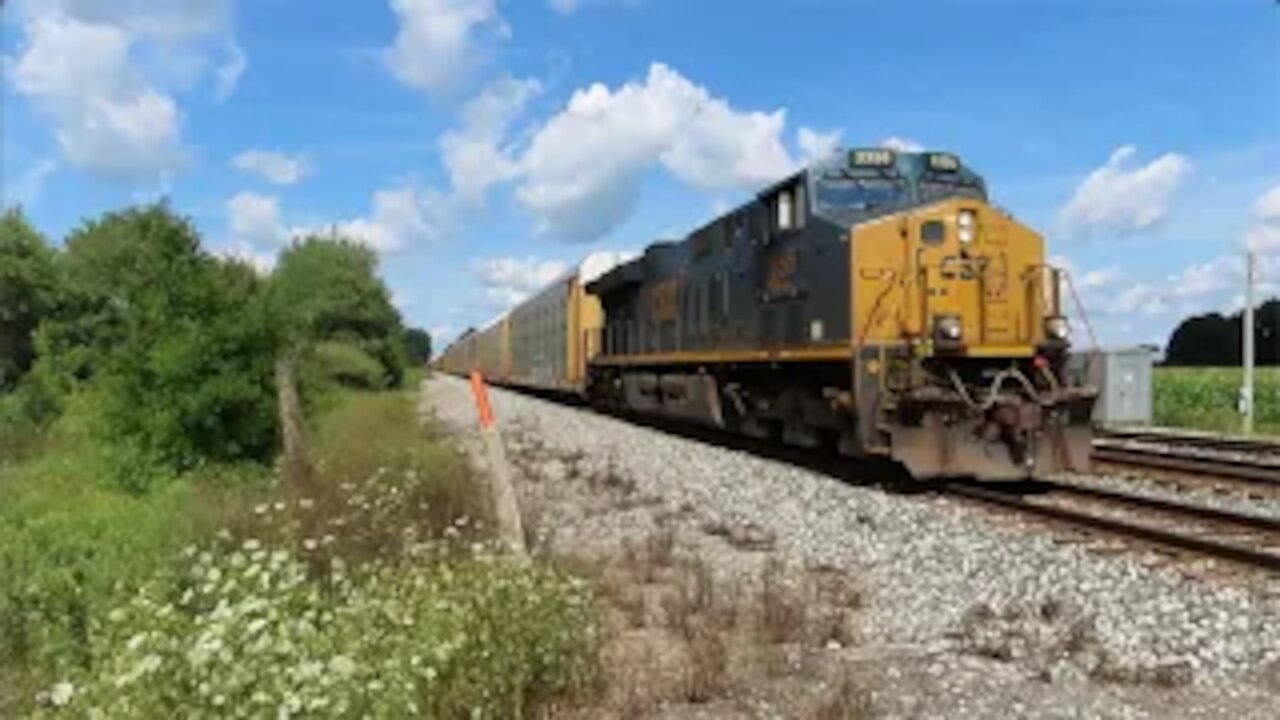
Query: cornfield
1206	398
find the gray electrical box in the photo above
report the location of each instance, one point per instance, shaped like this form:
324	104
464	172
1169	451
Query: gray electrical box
1123	377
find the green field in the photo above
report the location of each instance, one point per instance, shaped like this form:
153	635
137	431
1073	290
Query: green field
1205	398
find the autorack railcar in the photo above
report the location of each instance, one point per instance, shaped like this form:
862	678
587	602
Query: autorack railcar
544	342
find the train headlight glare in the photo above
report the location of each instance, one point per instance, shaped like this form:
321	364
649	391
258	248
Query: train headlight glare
1057	328
948	328
967	225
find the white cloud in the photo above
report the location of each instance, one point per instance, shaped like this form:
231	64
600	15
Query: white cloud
816	145
1102	279
569	7
1123	201
108	119
441	336
1264	235
78	63
30	185
473	155
401	216
582	171
230	72
507	281
901	144
254	220
1200	280
161	19
435	43
276	167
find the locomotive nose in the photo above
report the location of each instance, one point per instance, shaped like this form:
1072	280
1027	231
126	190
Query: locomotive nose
974	282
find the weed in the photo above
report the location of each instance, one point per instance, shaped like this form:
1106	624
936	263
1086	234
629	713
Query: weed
782	616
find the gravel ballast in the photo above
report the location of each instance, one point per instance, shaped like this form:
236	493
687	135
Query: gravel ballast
956	586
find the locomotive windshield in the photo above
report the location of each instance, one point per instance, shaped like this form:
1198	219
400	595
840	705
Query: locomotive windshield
865	184
864	194
937	186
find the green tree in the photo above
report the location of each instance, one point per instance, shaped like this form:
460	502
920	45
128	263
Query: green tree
418	343
328	289
28	293
1216	340
176	346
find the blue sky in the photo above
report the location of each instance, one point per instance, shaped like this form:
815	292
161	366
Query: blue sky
482	145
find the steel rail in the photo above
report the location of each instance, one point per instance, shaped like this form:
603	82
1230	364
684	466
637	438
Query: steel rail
1224	467
1198	512
1192	439
1157	536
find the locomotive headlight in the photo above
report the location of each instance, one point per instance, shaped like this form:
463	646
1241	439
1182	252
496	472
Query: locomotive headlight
1057	328
967	225
947	328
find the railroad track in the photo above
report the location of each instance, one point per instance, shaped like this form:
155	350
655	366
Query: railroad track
1167	525
1241	538
1224	457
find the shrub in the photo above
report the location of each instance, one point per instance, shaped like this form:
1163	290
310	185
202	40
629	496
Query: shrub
348	365
69	546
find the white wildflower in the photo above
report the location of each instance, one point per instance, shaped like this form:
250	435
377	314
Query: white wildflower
61	693
149	664
342	665
279	506
310	544
306	503
260	509
250	545
136	641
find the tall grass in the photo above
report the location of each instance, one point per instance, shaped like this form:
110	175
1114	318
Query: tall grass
73	545
368	589
1206	398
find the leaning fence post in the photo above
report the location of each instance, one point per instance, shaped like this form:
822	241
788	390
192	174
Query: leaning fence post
506	506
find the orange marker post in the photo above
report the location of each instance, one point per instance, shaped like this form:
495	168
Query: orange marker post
481	394
506	506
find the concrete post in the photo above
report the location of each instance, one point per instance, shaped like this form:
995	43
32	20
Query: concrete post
1246	389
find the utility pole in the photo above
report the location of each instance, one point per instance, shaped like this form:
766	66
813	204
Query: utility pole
1246	390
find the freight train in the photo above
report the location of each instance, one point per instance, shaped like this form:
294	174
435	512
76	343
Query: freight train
875	302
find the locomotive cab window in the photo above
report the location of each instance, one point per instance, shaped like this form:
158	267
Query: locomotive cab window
933	232
786	210
789	207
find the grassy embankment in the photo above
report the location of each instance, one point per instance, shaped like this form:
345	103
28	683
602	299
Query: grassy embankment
230	592
1205	398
